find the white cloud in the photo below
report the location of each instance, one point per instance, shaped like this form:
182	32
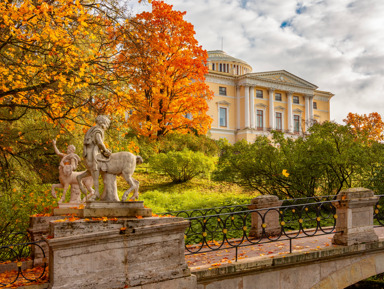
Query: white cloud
337	45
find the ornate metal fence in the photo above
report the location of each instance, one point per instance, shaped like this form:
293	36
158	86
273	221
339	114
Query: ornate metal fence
16	261
237	226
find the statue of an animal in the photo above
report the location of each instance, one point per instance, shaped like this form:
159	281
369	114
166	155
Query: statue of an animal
120	164
68	177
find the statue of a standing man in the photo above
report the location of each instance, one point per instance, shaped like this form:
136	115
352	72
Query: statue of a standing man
94	149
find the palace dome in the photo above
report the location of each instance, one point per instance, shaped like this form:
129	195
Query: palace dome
218	61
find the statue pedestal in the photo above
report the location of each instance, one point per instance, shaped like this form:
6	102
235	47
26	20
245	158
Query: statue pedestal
104	209
110	188
122	253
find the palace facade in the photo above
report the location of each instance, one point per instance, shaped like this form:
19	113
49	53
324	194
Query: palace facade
247	104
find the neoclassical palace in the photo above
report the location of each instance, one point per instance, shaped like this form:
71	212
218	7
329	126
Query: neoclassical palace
247	104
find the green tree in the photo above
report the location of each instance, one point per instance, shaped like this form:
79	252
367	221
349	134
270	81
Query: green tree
324	162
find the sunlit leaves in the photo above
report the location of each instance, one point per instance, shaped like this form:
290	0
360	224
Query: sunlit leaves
369	126
56	60
166	67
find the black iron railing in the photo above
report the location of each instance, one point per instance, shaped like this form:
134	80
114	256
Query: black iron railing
16	262
223	228
236	229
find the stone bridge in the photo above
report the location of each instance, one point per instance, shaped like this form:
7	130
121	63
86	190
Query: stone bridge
331	267
356	254
148	253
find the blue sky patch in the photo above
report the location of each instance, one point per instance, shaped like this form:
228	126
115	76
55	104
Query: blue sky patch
286	23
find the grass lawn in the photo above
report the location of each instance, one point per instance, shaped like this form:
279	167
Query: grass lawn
161	195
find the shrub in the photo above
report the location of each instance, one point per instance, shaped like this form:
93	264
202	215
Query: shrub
182	166
179	142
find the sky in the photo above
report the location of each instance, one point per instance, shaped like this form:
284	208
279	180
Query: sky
338	45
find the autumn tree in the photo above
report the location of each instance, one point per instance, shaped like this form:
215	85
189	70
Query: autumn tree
56	69
166	69
369	126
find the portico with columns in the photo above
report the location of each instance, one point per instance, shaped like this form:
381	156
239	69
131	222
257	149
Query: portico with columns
260	102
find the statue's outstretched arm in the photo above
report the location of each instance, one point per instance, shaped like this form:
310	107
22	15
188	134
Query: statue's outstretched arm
60	154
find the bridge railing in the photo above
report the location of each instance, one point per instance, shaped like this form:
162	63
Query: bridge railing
265	220
223	228
16	261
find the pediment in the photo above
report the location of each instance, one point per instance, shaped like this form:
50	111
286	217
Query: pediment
261	105
283	77
279	107
297	110
223	102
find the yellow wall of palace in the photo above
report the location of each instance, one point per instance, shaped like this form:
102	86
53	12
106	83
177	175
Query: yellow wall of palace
229	101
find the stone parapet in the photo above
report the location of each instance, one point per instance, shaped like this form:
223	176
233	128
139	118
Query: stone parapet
333	267
354	223
39	230
125	253
268	219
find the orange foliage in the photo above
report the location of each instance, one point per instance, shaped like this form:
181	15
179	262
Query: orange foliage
370	126
56	70
166	69
50	56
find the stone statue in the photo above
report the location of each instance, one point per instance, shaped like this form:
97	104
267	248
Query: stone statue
67	176
100	160
94	149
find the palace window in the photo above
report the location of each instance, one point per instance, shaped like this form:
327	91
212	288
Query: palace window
279	121
296	99
213	66
260	119
296	123
278	96
315	105
222	90
259	93
223	116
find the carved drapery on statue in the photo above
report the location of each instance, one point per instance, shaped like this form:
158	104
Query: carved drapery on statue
99	160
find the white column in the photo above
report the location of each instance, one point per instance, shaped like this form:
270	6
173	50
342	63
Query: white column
290	115
306	112
311	110
271	109
246	106
252	104
238	107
